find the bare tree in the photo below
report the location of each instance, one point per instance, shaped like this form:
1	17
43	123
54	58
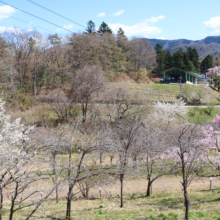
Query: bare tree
87	84
124	135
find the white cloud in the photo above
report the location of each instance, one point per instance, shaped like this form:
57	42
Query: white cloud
118	13
138	30
216	32
213	23
161	38
11	29
68	27
6	11
155	19
101	14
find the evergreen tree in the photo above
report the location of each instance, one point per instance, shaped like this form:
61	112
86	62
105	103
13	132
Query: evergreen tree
206	64
160	57
168	60
104	28
90	27
54	39
178	58
193	57
120	32
186	62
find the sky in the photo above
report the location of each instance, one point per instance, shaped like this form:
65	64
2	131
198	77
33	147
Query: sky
161	19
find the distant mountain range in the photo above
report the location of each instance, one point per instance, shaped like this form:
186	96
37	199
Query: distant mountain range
209	45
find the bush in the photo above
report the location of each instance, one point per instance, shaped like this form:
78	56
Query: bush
173	215
200	214
21	101
152	217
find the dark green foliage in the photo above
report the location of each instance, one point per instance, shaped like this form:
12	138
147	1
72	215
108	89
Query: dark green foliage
90	27
121	32
160	57
178	58
206	63
193	57
168	60
188	60
104	28
54	39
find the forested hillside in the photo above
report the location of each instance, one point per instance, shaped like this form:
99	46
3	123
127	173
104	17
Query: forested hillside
209	45
52	61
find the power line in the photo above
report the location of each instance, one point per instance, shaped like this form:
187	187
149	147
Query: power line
55	13
27	22
37	17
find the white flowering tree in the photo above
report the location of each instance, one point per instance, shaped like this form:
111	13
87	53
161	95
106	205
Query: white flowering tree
19	170
155	139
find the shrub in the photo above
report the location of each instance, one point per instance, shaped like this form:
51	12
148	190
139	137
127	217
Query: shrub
191	214
21	101
200	214
152	217
173	215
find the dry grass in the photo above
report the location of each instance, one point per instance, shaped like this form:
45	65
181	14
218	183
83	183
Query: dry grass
167	200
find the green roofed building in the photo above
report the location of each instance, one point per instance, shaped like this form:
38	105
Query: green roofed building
172	75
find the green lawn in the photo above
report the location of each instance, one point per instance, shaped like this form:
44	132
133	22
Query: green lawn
204	205
170	92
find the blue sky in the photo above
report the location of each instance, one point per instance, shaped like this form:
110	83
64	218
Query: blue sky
166	19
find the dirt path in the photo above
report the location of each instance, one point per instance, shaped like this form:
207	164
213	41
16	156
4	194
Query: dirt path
161	185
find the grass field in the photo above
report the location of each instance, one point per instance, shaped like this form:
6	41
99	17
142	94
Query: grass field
168	204
160	92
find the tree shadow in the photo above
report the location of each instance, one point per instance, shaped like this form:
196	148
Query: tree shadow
54	218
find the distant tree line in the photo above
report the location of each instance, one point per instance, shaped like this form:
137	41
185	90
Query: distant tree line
188	60
52	61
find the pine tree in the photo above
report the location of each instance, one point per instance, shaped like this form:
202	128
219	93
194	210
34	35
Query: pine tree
120	32
195	60
206	64
178	58
168	60
160	57
104	28
193	57
90	27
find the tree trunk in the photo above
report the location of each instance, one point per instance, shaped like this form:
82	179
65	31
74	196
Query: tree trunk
55	176
1	201
184	184
68	208
121	180
186	200
13	202
148	187
100	158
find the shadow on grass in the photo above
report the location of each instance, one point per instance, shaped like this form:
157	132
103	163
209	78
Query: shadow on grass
54	218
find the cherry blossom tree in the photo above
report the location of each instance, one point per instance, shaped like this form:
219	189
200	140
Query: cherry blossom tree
186	150
214	74
155	139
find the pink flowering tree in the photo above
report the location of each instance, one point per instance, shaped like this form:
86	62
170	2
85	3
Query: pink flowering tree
214	74
155	139
211	140
185	149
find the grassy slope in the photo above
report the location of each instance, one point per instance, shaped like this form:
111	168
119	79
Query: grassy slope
205	205
168	92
